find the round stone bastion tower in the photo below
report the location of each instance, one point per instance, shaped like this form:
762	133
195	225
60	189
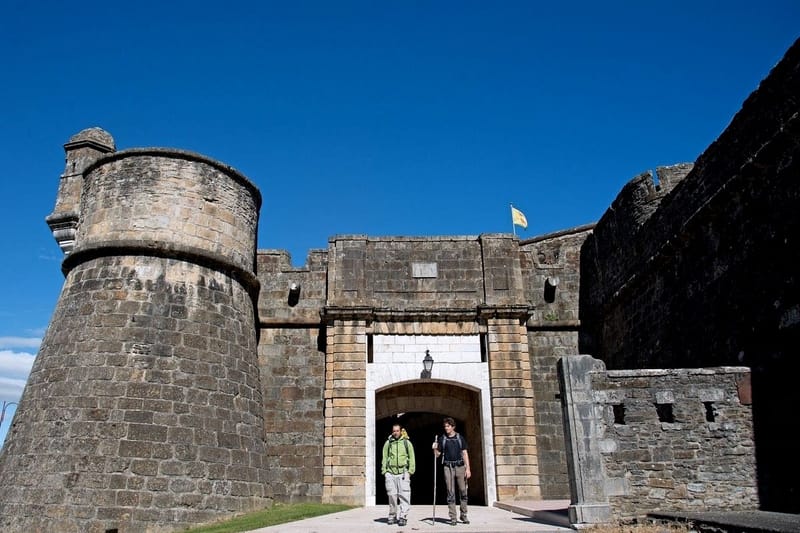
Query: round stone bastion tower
143	410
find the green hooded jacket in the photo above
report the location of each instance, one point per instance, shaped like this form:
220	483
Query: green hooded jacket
398	456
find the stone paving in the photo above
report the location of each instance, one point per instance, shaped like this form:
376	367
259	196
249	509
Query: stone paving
482	520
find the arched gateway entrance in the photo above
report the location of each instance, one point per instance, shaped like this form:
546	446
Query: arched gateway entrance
419	406
458	386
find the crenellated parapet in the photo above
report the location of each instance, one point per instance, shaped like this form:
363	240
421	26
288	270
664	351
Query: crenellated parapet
614	238
551	265
291	295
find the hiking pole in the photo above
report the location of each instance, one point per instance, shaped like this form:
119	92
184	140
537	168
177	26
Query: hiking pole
433	520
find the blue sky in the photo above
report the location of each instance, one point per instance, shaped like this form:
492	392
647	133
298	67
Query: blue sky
377	118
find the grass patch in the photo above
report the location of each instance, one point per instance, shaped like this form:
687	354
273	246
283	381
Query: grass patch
280	513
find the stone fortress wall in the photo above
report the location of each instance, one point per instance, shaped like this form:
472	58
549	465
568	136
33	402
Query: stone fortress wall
143	410
709	278
470	286
185	375
551	266
291	356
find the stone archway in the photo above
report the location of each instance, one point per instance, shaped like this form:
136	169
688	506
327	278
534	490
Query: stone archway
421	405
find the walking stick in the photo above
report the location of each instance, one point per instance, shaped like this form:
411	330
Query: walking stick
433	520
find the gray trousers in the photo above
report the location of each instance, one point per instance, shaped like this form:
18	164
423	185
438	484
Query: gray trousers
398	489
456	476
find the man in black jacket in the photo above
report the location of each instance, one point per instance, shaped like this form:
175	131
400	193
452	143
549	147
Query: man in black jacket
452	447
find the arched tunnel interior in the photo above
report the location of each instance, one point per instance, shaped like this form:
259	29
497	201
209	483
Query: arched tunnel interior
420	408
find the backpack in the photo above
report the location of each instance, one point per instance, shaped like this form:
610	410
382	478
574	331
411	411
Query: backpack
405	443
443	441
402	434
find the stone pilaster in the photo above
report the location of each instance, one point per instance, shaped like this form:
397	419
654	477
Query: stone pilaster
345	410
512	410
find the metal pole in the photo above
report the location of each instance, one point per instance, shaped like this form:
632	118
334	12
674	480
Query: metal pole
433	520
6	403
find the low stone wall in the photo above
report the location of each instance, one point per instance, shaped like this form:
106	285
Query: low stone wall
641	441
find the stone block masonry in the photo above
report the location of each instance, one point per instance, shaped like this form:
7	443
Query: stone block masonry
513	411
710	278
344	471
552	268
291	351
186	376
143	410
643	441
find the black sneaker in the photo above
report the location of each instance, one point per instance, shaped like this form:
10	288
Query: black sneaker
453	522
464	520
401	522
391	521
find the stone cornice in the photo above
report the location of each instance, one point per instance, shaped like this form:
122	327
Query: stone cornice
378	314
164	250
521	311
83	143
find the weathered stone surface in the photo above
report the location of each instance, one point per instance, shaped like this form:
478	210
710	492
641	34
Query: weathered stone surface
186	374
156	321
635	462
710	277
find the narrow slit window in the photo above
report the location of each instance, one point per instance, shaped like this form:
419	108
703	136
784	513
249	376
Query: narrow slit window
484	340
619	413
370	352
711	414
664	411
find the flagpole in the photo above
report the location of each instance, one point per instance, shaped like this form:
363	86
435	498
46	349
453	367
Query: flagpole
513	226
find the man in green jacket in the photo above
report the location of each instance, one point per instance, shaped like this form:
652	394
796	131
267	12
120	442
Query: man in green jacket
397	466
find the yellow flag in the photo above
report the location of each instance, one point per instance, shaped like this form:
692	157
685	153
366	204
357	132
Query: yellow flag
518	218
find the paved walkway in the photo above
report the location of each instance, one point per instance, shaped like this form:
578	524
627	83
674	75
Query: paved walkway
533	517
527	516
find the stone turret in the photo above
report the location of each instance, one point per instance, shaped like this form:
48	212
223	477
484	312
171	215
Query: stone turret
82	149
143	410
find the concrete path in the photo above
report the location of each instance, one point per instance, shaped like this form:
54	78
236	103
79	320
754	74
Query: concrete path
534	517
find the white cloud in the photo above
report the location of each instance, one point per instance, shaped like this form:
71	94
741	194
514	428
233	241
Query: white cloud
11	389
19	342
14	370
39	332
15	365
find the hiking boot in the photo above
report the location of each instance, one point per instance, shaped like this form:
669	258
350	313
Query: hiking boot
401	522
465	520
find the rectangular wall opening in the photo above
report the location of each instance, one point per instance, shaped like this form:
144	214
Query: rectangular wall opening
711	414
619	413
664	411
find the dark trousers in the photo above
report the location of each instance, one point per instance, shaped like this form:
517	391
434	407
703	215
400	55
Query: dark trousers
456	476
